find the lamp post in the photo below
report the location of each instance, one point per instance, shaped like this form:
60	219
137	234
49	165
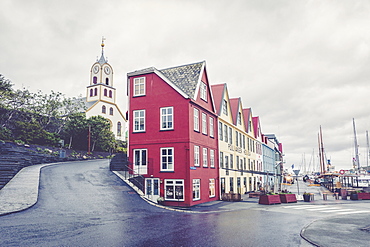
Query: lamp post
296	172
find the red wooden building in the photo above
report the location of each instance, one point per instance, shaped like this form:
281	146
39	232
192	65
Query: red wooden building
173	134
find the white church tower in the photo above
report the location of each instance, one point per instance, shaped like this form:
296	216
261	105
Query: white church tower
101	96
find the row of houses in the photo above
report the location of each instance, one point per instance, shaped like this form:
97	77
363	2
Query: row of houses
191	142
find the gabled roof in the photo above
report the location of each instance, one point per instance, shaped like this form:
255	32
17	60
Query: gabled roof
185	79
234	105
247	113
218	92
256	126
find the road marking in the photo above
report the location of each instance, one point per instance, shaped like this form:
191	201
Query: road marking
337	210
317	209
354	212
304	206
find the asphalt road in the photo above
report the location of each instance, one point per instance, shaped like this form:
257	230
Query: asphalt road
84	204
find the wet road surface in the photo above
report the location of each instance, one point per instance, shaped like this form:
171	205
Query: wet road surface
84	204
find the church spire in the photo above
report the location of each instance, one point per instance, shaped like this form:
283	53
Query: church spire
102	60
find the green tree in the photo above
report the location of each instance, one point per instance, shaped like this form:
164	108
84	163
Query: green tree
75	131
31	132
102	138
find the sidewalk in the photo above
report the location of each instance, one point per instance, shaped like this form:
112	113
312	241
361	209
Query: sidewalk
21	193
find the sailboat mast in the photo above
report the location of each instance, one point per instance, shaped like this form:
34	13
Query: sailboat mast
321	152
357	160
367	151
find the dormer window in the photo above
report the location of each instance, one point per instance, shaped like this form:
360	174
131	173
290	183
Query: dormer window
203	91
224	107
139	86
239	118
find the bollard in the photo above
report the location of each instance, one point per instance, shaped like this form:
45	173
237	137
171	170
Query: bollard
312	197
336	196
325	196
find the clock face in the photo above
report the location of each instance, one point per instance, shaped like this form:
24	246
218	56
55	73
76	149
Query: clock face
107	70
96	69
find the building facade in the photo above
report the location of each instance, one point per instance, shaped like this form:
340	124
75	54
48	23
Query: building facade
173	139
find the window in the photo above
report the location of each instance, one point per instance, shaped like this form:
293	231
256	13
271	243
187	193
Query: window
212	190
196	155
231	161
196	189
105	92
230	135
236	138
220	132
111	111
103	109
212	158
211	130
244	141
203	91
119	129
224	107
139	86
204	123
237	162
239	118
95	79
140	157
139	120
196	119
225	130
205	157
95	91
166	118
107	81
110	93
167	157
232	184
174	189
91	92
221	160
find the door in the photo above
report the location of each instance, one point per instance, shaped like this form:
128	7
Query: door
152	188
140	161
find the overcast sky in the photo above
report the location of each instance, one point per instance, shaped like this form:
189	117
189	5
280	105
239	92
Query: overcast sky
297	64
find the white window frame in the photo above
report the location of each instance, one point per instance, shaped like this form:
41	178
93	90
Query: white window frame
230	135
211	127
139	119
174	190
205	157
196	119
203	91
239	118
196	189
196	155
212	158
167	159
220	130
212	187
224	107
204	123
139	86
167	118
